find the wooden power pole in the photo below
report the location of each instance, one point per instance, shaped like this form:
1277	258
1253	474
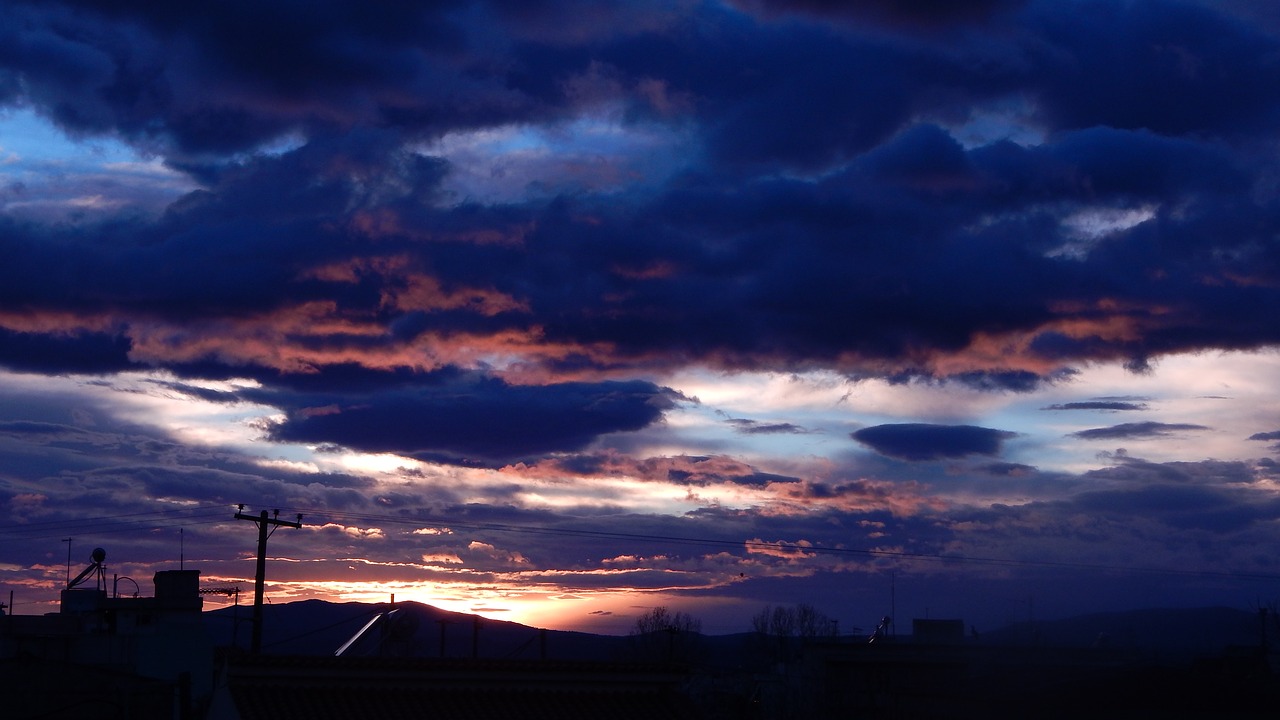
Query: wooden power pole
266	526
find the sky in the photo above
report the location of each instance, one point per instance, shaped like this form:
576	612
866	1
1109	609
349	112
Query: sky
558	311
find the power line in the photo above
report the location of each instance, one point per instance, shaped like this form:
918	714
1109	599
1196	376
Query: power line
814	549
131	522
42	524
128	522
375	610
116	528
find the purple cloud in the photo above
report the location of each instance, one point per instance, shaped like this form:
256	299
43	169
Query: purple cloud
922	441
1097	405
470	421
1136	430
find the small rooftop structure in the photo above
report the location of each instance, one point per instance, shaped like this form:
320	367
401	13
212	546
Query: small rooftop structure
110	656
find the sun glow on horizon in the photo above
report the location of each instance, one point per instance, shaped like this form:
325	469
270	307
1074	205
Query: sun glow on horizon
607	611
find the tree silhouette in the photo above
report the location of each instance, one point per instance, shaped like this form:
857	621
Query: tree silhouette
660	635
802	621
784	630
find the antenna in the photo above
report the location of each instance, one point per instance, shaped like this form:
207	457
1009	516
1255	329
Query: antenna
68	542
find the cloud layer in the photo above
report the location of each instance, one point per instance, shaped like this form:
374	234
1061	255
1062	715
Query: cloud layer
509	250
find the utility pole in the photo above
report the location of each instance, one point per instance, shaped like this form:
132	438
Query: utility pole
266	526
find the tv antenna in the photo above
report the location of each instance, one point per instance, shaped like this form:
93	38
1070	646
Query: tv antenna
68	542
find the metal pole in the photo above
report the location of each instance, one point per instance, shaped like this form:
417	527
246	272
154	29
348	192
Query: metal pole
68	542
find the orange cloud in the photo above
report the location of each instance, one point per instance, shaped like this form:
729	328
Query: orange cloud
780	549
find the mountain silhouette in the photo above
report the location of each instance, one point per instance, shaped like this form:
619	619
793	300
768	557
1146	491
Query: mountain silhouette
317	627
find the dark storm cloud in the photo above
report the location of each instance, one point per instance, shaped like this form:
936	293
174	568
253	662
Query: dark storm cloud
895	13
1268	437
1007	469
894	256
475	421
243	246
1182	507
914	245
87	352
1136	430
785	286
1097	405
1168	67
755	427
1010	380
1134	471
228	77
923	441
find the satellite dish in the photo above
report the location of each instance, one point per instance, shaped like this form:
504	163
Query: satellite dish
95	567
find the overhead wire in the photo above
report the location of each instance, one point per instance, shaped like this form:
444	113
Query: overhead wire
114	524
40	524
796	547
201	515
